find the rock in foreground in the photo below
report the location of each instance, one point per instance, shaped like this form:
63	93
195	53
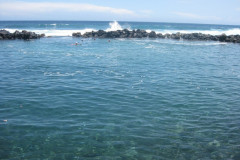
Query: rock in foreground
25	35
144	34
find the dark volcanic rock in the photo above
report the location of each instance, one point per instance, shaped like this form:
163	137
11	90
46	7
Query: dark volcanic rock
152	35
101	34
113	34
19	35
143	34
223	38
42	35
78	34
176	36
140	34
160	35
232	38
167	35
5	34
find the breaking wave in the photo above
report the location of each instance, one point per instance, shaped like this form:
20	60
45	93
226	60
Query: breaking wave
54	32
233	31
114	26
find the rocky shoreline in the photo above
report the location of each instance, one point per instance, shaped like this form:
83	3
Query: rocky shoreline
25	35
144	34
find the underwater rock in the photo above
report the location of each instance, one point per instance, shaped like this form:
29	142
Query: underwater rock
214	143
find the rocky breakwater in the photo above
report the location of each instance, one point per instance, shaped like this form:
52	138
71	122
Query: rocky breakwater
144	34
25	35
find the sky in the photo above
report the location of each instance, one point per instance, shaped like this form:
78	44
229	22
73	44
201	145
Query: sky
178	11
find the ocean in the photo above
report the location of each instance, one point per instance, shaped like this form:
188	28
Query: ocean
127	99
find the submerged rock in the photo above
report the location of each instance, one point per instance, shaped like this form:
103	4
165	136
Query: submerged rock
214	143
25	35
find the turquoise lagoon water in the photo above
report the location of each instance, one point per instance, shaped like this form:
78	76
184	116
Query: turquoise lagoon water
144	99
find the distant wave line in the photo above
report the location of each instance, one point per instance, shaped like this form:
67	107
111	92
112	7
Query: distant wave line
53	32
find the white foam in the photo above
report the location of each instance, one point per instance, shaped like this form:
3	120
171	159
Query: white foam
59	74
191	43
155	43
54	32
233	31
54	24
150	46
10	30
148	31
114	26
201	44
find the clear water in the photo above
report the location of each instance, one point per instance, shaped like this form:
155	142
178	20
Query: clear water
148	99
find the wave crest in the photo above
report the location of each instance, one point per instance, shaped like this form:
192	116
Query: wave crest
114	26
54	32
234	31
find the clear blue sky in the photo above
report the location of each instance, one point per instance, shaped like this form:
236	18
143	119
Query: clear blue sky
185	11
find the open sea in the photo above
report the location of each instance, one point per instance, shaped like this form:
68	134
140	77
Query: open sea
127	99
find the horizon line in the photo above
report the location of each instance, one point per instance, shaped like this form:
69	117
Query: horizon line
129	21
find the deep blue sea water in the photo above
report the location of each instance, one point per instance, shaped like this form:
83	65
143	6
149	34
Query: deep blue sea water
143	99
